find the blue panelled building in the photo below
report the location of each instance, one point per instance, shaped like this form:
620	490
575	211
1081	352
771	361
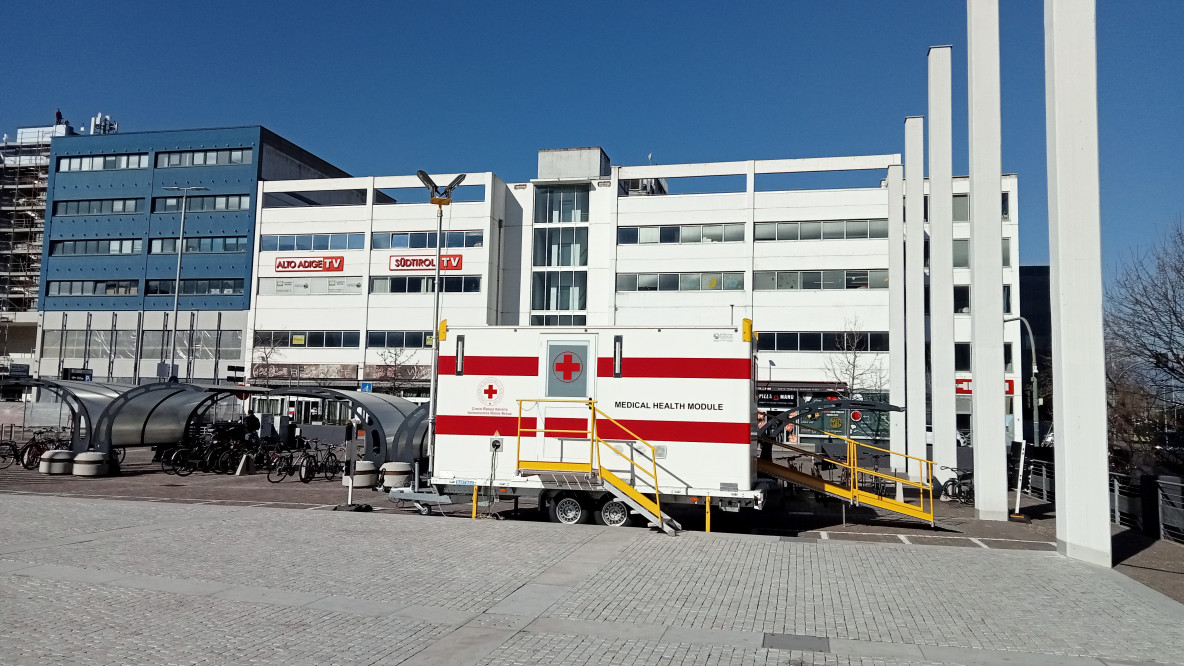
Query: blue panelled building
112	228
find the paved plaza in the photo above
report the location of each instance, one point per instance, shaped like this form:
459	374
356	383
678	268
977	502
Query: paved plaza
121	582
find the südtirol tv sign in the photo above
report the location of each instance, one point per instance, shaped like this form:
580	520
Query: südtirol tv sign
426	262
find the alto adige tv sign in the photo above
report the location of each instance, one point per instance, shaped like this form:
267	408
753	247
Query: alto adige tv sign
309	264
425	262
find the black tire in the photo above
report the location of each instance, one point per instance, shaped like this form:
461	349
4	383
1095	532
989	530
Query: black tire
8	454
611	513
224	463
279	469
569	509
182	463
31	454
308	469
950	489
121	452
331	467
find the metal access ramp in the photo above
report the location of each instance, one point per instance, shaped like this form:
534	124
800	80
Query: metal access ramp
845	478
594	474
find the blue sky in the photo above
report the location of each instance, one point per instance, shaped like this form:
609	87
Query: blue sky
387	88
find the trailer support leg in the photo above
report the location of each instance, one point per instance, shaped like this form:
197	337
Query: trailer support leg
844	505
708	513
474	501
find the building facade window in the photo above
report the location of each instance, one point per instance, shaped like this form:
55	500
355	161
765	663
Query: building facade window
837	279
820	230
312	242
731	281
961	299
1007	252
1008	365
92	288
102	345
559	290
203	245
1006	299
202	287
76	248
212	204
103	162
416	284
310	286
560	203
203	344
187	158
98	207
561	246
962	356
558	320
424	239
961	253
399	339
826	341
686	233
313	339
961	207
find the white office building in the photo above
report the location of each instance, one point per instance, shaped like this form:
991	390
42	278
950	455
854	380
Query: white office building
802	247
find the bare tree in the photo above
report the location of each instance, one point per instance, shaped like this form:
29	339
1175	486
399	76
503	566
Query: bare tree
851	364
266	350
1145	353
397	373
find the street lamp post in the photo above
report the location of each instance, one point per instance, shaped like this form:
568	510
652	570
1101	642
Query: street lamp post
441	198
177	280
1019	475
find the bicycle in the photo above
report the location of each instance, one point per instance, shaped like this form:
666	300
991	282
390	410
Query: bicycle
961	486
42	440
319	461
280	467
879	485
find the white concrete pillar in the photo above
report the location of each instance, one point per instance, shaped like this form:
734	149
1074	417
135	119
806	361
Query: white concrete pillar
896	324
914	284
986	262
941	262
1079	415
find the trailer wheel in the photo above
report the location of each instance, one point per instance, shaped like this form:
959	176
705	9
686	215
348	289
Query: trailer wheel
568	509
612	513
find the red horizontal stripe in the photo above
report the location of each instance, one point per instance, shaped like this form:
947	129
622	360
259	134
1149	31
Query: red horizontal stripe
500	366
678	368
657	431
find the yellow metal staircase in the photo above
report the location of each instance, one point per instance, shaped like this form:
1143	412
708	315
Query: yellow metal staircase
857	484
648	503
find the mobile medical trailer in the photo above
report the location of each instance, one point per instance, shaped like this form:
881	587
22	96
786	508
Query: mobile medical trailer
598	423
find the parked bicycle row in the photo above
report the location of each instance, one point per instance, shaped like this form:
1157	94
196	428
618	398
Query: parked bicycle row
28	453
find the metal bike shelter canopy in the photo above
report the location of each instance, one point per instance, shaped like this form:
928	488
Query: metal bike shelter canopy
396	428
86	401
157	414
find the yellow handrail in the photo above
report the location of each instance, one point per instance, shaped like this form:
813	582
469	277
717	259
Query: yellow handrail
594	440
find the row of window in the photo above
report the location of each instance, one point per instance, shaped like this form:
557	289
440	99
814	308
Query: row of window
561	203
98	207
200	287
825	230
200	245
962	354
92	288
201	344
687	233
425	239
558	320
96	247
207	204
680	281
399	339
103	162
204	158
308	242
317	339
561	246
310	286
852	279
962	299
559	290
826	341
418	284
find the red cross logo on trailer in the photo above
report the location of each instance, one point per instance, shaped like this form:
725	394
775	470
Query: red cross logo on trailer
567	366
490	391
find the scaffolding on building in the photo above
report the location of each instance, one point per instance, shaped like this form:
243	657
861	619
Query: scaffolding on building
24	181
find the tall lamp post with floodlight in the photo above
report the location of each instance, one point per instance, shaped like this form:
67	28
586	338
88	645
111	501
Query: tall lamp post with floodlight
1019	475
441	198
177	280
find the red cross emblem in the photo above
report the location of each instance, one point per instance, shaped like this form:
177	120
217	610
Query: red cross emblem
567	367
489	392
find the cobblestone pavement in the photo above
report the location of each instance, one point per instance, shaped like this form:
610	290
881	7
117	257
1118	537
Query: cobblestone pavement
108	581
